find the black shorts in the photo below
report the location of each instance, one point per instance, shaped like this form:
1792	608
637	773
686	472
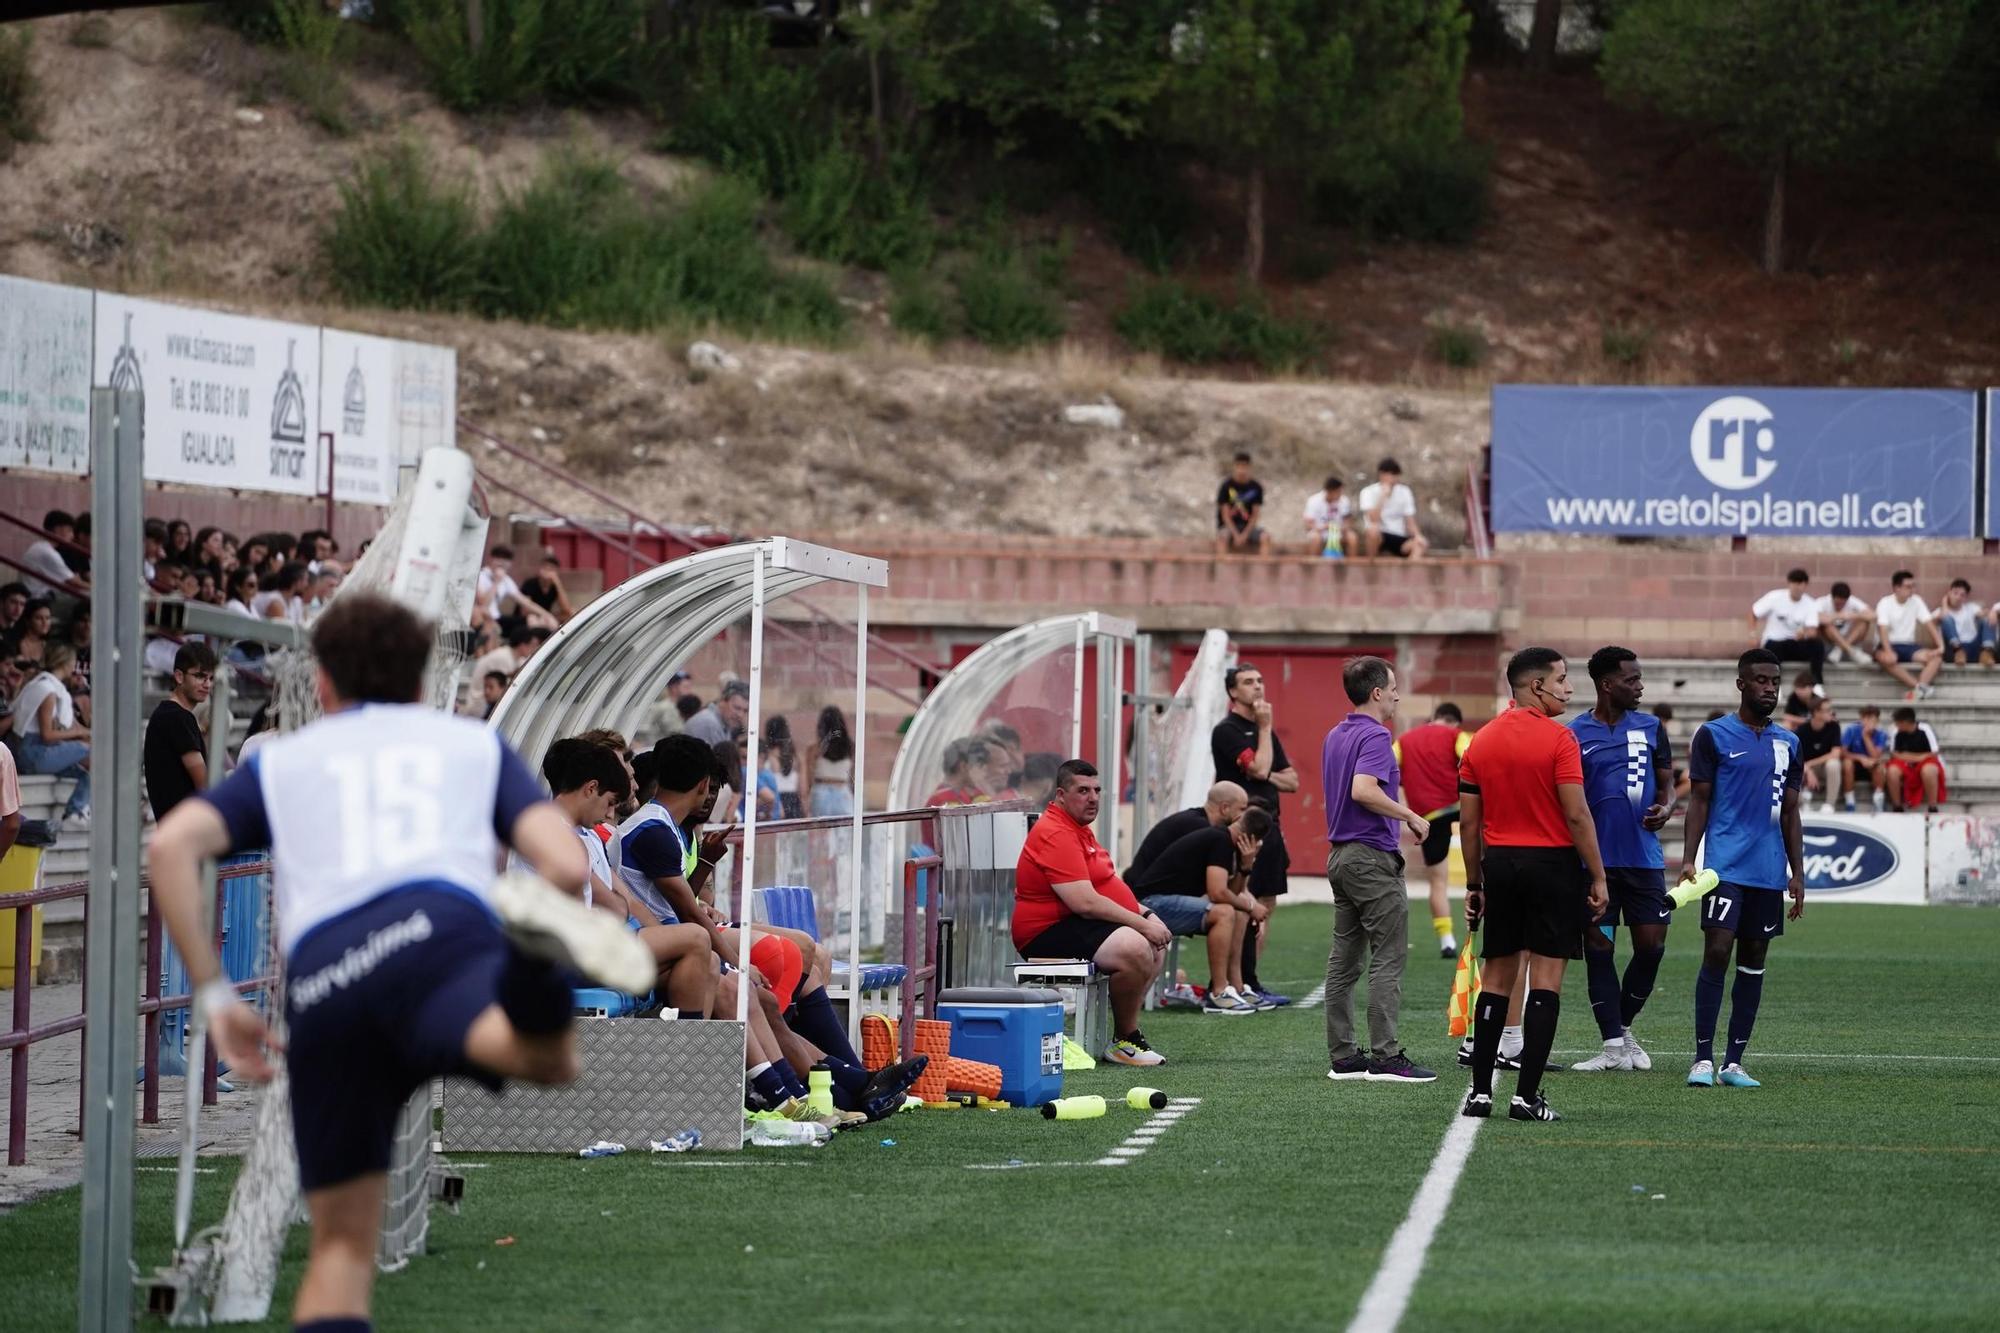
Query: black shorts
1437	845
1751	912
1393	544
379	1000
1273	864
1071	937
1537	899
1638	897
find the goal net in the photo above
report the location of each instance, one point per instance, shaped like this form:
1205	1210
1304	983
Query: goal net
1179	765
427	554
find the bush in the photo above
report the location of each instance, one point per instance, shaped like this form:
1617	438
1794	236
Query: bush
921	308
1137	189
20	91
1005	299
402	236
1459	346
316	40
1436	193
567	51
744	109
1625	344
1182	324
843	211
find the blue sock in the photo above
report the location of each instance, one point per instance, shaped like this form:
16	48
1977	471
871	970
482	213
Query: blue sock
1744	997
852	1078
770	1084
1602	977
813	1018
1640	974
344	1325
1707	1008
794	1085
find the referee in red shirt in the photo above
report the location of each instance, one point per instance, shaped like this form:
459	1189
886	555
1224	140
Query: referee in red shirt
1523	825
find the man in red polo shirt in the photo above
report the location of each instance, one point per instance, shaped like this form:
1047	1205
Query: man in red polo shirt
1070	903
1531	870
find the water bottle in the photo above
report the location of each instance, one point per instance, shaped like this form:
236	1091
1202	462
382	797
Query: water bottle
819	1091
788	1133
1145	1099
1073	1108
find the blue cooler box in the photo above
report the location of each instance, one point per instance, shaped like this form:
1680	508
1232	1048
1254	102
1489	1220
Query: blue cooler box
1019	1030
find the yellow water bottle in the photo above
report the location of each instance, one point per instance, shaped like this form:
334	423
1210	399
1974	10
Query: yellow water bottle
1073	1108
1145	1099
819	1091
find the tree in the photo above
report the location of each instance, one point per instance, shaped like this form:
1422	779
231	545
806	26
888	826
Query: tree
1786	82
1298	85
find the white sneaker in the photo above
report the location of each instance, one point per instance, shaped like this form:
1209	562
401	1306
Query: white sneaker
1826	807
1636	1053
1252	1002
1881	802
1834	655
548	923
78	822
1614	1056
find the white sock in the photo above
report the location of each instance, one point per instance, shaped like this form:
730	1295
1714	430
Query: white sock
1510	1040
1448	942
760	1069
1614	1043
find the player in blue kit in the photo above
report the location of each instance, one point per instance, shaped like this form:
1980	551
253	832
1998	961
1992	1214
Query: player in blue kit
405	959
1627	766
1745	776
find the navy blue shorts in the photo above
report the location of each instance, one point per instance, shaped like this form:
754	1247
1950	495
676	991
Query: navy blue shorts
1745	910
1638	897
379	1000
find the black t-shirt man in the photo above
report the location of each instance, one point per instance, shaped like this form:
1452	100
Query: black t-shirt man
170	733
1164	835
1238	501
1818	742
1233	744
1913	741
1182	867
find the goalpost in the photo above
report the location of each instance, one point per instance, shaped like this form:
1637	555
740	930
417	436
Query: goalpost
427	555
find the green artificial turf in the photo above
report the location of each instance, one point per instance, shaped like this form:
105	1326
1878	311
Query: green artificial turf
1845	1193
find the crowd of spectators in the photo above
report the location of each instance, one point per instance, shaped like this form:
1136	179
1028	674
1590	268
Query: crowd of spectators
1381	522
1901	633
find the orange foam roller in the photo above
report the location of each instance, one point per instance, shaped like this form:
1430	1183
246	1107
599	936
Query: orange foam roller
878	1040
974	1076
934	1040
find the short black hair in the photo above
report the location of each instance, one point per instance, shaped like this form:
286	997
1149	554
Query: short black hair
1448	712
1904	714
1899	577
194	655
573	761
1529	663
1841	592
373	648
58	518
682	762
1255	821
502	550
644	771
1606	660
1362	676
1803	679
1797	576
10	589
500	676
1390	465
1242	456
1229	676
1664	712
1073	768
1869	710
687	706
1961	583
1756	657
1333	484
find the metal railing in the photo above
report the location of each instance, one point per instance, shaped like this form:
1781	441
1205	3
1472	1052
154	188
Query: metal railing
25	1033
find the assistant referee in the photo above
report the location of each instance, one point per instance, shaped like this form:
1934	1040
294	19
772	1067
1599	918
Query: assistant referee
1531	871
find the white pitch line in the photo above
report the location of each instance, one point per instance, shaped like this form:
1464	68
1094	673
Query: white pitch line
1388	1295
727	1162
1821	1055
1134	1147
1312	997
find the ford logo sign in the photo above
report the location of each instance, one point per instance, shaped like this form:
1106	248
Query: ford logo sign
1839	858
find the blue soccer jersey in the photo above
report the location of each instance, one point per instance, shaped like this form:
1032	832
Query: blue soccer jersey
1749	772
1619	782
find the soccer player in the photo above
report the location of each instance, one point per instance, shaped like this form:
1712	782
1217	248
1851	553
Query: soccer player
404	958
1531	857
1745	798
1428	756
1628	771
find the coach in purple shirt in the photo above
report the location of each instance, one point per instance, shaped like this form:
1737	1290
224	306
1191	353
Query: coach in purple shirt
1370	911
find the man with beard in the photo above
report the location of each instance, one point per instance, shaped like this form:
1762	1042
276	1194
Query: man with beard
1247	752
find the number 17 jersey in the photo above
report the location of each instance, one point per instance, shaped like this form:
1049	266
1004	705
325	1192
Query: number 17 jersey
371	800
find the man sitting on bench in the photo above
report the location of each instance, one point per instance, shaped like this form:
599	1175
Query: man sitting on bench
1226	800
1199	886
1070	903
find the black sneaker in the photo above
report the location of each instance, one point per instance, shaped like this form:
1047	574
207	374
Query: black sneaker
1465	1054
1538	1109
1354	1066
1398	1069
1514	1062
1478	1105
883	1095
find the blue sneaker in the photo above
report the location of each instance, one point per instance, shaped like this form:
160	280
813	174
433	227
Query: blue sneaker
1702	1075
1732	1076
1269	996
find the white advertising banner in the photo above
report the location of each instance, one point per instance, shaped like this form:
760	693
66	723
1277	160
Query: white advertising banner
230	401
45	352
426	400
1865	858
1965	859
356	372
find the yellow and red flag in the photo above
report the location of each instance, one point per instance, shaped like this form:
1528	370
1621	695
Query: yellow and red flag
1464	986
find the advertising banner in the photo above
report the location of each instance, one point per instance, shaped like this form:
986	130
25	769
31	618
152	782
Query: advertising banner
1865	858
45	352
1992	528
230	401
426	400
1728	462
1965	859
356	372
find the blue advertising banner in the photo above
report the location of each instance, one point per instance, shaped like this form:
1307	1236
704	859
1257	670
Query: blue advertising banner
1728	462
1992	528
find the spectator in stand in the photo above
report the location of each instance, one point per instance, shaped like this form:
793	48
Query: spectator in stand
499	598
154	548
188	588
282	547
180	542
1968	635
1070	903
686	706
1916	764
829	766
1005	745
1900	618
206	589
284	598
545	590
325	583
1328	530
14	600
51	741
1428	758
1389	514
1847	624
77	635
1789	624
1239	504
10	801
254	553
1199	885
781	765
175	753
208	551
724	718
492	689
315	545
968	767
1799	703
242	588
1824	759
14	673
511	656
33	632
49	571
1864	749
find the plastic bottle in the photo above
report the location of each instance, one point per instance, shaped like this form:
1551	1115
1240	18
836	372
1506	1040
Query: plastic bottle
1073	1108
819	1094
788	1133
1145	1099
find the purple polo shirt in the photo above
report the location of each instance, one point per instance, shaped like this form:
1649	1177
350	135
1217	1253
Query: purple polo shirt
1359	744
